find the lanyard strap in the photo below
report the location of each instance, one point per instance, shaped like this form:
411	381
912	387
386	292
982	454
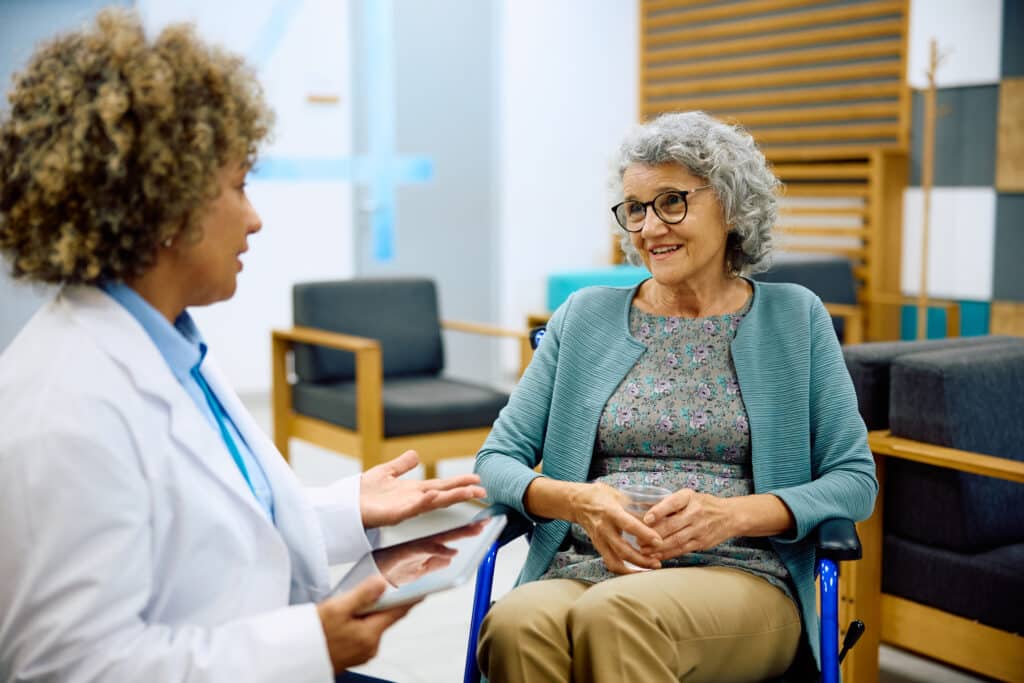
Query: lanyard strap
218	415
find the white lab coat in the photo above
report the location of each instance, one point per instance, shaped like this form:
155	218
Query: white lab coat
131	548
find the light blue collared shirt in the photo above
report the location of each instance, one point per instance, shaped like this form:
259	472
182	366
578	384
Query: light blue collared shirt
183	349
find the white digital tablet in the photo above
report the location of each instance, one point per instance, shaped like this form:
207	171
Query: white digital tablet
417	568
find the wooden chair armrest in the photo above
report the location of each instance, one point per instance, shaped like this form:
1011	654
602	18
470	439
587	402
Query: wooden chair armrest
882	442
853	317
481	329
525	352
537	319
369	380
334	340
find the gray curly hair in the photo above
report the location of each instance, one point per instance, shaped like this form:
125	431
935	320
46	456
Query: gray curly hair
729	159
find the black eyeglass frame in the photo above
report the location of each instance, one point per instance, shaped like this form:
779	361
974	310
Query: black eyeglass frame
653	205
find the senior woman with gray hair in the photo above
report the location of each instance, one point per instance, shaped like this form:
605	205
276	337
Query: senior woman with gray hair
730	394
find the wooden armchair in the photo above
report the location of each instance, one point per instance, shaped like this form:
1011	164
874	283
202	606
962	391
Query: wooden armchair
367	378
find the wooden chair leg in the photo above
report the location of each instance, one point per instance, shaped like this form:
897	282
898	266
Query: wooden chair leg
372	453
283	444
429	470
281	395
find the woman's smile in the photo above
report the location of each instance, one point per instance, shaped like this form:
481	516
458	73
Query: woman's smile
663	252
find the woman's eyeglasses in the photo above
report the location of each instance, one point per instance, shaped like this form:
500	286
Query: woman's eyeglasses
669	206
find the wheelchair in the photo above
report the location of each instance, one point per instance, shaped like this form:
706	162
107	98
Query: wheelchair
836	541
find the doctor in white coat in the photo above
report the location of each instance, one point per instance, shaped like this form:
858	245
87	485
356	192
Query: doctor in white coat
148	530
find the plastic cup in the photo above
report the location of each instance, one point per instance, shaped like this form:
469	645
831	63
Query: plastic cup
641	499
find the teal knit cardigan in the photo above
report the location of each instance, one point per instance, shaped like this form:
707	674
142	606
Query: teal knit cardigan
808	442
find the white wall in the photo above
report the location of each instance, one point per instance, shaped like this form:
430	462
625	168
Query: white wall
568	84
307	226
968	35
962	223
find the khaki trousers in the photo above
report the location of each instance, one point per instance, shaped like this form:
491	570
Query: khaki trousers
682	624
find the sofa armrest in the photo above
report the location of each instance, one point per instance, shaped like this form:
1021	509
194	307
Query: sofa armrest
882	442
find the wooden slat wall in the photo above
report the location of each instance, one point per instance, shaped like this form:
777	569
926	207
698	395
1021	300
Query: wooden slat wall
806	77
820	85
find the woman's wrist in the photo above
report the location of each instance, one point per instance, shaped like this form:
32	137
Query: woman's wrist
759	515
553	499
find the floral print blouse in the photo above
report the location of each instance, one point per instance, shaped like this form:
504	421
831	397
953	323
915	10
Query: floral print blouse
677	420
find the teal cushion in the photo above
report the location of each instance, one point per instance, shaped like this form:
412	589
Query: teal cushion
561	285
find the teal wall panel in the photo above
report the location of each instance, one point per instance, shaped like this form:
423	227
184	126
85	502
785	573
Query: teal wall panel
974	320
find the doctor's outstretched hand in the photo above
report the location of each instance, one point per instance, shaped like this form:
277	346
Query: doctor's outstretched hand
385	499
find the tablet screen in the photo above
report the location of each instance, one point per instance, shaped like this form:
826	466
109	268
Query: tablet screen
416	568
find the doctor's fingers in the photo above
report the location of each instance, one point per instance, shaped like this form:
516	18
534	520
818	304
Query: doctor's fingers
362	596
378	622
432	500
398	466
448	483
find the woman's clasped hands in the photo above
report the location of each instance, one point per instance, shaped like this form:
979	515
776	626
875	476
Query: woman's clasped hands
683	522
688	522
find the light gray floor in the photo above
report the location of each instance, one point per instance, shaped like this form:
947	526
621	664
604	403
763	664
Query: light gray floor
429	645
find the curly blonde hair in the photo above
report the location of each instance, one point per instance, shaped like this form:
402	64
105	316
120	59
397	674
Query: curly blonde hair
112	145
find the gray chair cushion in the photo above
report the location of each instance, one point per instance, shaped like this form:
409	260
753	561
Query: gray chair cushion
869	366
972	400
830	277
987	586
412	405
401	313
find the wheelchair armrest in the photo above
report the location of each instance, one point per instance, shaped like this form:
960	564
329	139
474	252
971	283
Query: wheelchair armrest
837	540
515	526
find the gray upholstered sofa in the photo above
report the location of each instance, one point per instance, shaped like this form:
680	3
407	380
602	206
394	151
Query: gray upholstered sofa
947	427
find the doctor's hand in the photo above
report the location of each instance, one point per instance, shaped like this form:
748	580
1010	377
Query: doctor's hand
600	510
353	639
384	499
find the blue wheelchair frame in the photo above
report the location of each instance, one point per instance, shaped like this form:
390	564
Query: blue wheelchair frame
836	541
